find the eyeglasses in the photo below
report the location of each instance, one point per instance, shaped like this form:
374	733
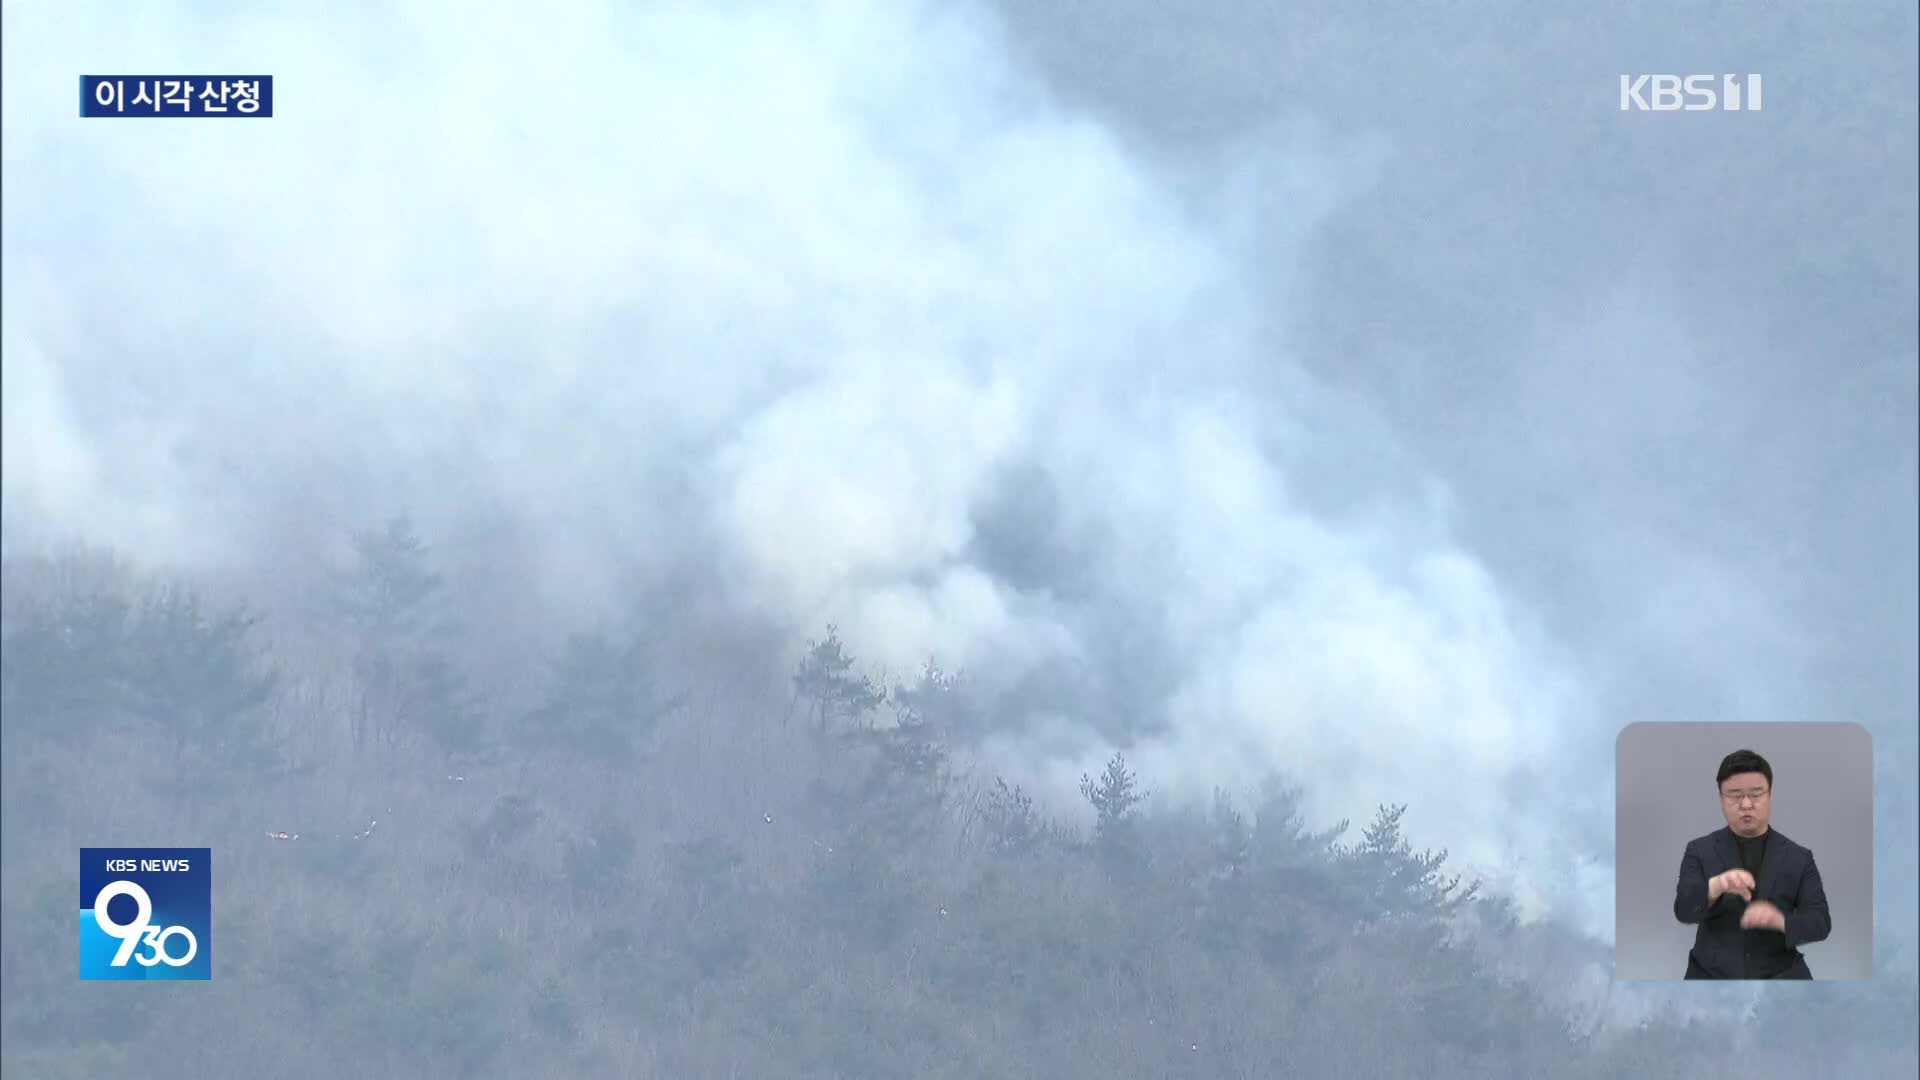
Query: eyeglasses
1736	798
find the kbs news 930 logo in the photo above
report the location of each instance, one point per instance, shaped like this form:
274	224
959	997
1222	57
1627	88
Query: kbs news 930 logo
146	913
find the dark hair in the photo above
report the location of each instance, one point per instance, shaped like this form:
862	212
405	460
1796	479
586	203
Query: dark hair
1744	761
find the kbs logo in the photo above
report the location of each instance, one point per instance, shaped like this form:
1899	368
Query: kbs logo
1689	93
146	913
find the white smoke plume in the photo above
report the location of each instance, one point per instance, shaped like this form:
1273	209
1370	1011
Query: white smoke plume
843	307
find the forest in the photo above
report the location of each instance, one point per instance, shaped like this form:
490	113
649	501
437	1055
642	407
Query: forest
654	847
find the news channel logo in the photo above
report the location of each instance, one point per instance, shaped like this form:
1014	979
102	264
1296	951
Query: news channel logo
146	913
176	95
1691	93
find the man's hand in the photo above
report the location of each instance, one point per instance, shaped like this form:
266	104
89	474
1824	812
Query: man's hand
1735	881
1762	915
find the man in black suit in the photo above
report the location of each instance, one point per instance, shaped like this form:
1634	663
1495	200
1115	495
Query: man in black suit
1754	894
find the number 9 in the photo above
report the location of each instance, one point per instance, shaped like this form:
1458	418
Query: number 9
128	933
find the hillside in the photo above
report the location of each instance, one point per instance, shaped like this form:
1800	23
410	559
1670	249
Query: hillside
641	870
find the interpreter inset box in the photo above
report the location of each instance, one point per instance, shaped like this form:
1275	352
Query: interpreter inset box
1743	851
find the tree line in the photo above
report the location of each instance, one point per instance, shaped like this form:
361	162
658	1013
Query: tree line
614	876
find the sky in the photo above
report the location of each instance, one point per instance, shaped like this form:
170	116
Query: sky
1334	391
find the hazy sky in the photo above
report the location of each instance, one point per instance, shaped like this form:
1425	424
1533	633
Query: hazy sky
1342	391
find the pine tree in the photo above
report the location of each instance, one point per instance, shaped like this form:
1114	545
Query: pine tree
600	703
393	596
194	675
941	700
1116	797
1391	879
1283	848
63	667
101	653
409	684
1232	838
827	683
1013	827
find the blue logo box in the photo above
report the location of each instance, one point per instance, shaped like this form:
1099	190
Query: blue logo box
176	95
146	913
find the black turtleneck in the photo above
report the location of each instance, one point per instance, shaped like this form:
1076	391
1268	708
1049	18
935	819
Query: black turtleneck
1753	849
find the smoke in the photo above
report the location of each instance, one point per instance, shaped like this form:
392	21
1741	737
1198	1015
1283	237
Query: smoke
845	311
